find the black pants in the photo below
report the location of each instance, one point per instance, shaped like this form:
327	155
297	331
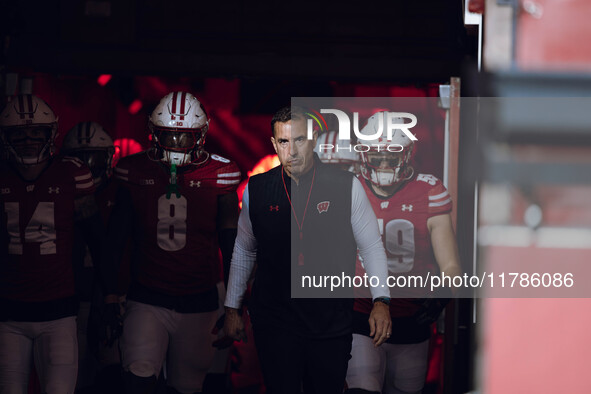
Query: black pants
290	362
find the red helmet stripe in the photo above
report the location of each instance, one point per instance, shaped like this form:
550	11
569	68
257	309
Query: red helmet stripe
88	124
183	98
79	132
30	103
21	106
173	109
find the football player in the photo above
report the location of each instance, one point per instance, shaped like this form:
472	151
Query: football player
44	201
180	203
89	142
338	152
413	212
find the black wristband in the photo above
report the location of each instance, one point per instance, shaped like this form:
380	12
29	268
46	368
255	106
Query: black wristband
385	300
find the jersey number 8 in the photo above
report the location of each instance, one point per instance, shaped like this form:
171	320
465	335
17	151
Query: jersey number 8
171	231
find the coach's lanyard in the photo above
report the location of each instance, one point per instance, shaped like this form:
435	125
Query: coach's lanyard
300	225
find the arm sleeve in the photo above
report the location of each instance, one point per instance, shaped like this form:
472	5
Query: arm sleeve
243	257
226	238
439	199
228	177
82	177
369	241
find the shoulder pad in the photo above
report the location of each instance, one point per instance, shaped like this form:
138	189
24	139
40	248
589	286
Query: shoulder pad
427	178
74	160
219	158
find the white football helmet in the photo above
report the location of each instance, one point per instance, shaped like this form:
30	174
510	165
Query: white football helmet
332	150
92	144
386	162
28	128
178	125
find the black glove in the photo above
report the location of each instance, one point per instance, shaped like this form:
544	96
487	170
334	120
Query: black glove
431	308
112	323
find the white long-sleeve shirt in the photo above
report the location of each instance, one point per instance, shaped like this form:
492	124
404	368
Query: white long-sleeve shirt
365	230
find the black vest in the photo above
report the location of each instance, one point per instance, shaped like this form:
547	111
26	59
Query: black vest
326	246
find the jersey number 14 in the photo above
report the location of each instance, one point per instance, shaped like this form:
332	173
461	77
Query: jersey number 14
41	228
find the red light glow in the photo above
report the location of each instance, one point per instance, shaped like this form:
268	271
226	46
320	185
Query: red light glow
125	147
264	165
135	106
104	79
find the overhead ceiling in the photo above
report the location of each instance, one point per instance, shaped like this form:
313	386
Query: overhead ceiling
335	40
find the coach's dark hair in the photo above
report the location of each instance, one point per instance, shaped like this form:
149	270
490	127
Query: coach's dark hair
286	114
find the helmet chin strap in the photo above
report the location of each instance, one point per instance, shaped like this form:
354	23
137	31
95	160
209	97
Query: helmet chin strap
411	173
198	155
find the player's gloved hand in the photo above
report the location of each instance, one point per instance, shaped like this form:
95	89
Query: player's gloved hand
431	308
113	324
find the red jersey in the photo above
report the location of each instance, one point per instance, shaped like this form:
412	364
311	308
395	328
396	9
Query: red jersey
39	221
402	219
176	237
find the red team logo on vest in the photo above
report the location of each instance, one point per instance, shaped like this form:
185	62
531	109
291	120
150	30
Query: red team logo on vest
323	206
273	208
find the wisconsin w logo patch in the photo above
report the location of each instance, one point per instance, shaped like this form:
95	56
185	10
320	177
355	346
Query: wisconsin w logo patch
323	206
